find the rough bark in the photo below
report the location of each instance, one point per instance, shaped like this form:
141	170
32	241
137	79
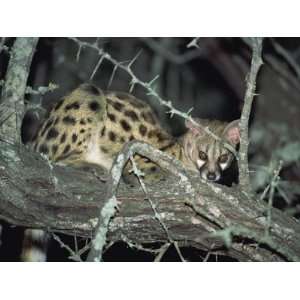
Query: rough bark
35	193
12	101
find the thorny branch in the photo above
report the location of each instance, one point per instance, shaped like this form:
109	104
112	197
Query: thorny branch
169	55
256	62
148	86
42	90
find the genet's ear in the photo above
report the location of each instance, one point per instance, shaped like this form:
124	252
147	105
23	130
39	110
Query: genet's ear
196	130
232	132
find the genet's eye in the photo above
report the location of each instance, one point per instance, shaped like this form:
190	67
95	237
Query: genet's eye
202	155
223	158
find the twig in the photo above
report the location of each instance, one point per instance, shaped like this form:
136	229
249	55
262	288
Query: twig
256	62
162	252
74	256
142	248
241	231
273	185
137	172
170	56
106	214
193	43
42	90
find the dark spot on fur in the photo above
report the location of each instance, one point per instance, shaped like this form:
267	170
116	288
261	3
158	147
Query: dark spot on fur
131	99
79	143
112	117
69	120
122	140
151	134
74	137
164	148
142	130
43	149
54	149
67	149
153	169
131	138
161	137
112	136
94	106
103	131
125	125
48	124
90	120
56	121
105	150
74	105
137	104
59	104
149	117
82	130
52	133
116	105
122	96
82	122
132	115
90	89
63	138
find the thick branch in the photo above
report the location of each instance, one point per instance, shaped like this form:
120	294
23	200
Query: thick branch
35	193
12	101
109	208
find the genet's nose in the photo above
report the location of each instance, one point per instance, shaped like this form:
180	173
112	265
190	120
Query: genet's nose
211	176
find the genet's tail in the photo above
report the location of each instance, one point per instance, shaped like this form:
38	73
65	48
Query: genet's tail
35	245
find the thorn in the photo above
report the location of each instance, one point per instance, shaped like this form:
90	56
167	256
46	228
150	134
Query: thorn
112	75
97	66
78	52
134	59
153	80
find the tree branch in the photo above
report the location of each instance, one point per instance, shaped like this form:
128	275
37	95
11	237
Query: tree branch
36	194
12	101
256	62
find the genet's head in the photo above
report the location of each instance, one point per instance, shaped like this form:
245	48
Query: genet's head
207	154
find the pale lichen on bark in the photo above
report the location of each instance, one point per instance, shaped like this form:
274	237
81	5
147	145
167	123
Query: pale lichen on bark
12	98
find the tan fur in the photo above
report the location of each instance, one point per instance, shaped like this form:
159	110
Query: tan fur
89	126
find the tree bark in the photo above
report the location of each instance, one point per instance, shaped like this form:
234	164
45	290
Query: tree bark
35	193
12	100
